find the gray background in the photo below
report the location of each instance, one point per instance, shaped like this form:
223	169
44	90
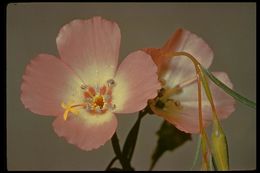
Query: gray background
229	28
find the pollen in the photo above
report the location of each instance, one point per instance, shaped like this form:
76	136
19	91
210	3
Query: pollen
99	101
96	100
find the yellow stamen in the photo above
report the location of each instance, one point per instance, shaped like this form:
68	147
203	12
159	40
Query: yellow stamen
69	108
65	115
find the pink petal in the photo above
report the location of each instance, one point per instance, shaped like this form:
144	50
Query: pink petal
46	83
91	48
136	82
159	59
181	68
184	122
86	131
187	119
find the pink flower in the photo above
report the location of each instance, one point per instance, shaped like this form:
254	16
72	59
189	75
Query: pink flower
84	88
177	102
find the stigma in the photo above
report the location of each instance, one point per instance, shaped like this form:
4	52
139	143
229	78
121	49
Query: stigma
96	100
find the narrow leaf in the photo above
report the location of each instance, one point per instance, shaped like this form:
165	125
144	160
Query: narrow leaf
229	91
169	139
130	141
197	153
115	143
111	163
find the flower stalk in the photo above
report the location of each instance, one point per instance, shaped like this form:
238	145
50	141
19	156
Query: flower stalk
125	164
126	155
219	148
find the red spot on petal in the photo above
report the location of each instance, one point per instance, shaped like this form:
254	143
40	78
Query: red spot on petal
103	90
86	94
92	91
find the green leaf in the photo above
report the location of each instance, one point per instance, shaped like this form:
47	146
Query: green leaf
196	158
229	91
130	142
115	143
169	139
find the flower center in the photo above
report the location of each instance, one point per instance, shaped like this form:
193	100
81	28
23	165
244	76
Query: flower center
99	101
164	100
96	100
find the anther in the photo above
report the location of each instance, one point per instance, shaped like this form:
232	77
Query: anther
111	82
159	104
112	107
83	86
161	92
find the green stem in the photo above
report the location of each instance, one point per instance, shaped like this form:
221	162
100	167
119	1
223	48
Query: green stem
197	153
131	139
111	163
115	142
126	155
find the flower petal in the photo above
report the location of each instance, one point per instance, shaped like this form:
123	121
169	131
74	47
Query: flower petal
91	48
182	121
187	119
136	82
159	59
86	131
181	68
47	82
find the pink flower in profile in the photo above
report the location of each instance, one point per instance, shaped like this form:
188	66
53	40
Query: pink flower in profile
84	87
177	101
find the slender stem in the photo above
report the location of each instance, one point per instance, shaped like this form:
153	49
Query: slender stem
111	163
197	153
126	155
117	150
200	77
152	166
131	139
200	104
202	130
137	125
